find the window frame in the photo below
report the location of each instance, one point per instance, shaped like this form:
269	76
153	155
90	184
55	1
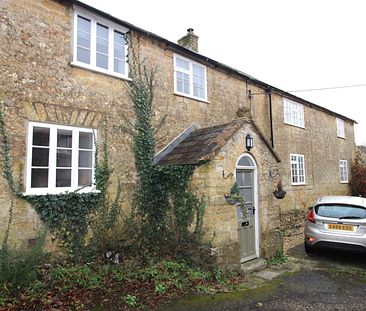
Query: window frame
289	104
190	73
341	133
94	19
52	165
298	156
343	171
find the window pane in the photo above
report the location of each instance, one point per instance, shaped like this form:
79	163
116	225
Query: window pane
102	61
119	38
64	138
119	65
248	195
83	55
245	161
85	177
198	87
119	51
85	158
248	179
239	179
102	46
83	24
198	71
63	178
41	136
40	156
102	31
182	82
182	63
83	39
39	178
63	158
85	140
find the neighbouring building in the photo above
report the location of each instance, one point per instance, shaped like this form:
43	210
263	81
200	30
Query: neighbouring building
64	65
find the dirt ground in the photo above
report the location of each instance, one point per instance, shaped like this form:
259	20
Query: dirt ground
325	280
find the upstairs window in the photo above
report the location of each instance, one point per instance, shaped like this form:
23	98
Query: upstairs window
99	45
297	169
59	158
343	171
293	113
340	128
189	78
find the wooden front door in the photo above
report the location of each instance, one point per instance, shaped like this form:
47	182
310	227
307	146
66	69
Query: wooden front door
246	214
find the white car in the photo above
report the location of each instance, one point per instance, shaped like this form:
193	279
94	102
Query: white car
337	222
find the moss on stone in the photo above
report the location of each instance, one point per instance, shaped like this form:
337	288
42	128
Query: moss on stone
243	292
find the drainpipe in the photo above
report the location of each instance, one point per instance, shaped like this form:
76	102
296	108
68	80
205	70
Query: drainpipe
270	115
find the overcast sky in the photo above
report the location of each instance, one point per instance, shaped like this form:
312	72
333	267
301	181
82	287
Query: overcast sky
290	44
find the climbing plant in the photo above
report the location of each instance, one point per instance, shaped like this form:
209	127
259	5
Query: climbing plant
6	163
70	216
164	210
164	207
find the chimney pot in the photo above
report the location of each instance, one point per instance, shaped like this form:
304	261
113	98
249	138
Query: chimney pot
190	40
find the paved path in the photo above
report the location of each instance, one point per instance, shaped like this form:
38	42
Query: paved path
323	281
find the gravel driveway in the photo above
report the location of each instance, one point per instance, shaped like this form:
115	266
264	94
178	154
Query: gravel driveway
323	281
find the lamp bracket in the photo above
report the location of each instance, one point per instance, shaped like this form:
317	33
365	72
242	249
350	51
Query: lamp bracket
273	175
223	175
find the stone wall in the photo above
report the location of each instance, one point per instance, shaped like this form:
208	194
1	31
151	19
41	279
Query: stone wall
322	149
39	84
220	222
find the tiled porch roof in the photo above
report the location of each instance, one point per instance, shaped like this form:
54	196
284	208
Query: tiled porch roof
197	146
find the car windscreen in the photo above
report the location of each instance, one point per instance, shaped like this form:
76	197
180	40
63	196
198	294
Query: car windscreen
340	211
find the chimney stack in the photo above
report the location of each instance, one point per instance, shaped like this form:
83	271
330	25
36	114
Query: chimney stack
189	41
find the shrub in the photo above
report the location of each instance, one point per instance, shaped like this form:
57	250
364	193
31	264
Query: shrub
358	180
19	266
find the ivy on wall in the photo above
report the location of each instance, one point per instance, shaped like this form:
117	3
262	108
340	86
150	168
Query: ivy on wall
162	220
71	215
6	164
165	208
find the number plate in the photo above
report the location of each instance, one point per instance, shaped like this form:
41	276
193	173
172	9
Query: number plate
341	227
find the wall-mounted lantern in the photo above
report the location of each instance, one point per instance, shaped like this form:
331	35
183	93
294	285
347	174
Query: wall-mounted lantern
249	142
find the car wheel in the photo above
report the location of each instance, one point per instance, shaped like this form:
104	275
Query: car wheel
308	249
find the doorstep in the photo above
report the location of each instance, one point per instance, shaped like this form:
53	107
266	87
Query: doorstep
254	265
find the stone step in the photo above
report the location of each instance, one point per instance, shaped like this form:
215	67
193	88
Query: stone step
253	265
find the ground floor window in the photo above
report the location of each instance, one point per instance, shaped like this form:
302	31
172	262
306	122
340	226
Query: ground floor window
297	169
59	158
343	171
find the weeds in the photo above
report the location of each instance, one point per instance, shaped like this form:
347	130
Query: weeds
160	289
278	259
122	287
130	300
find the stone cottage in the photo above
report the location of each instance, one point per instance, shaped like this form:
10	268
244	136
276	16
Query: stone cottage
64	66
